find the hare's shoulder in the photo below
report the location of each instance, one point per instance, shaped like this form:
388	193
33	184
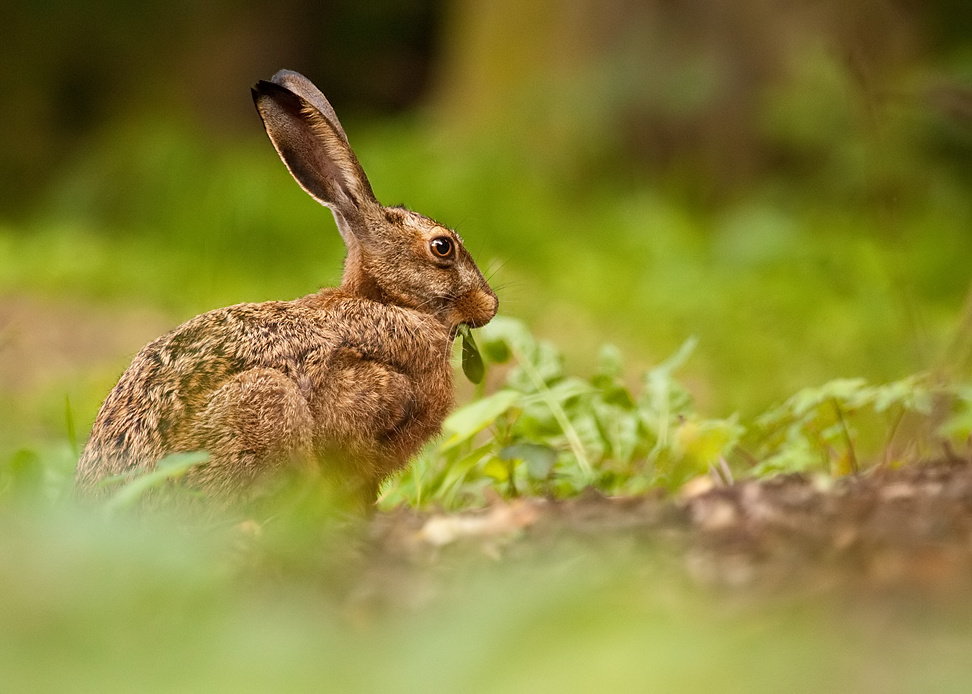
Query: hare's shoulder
377	328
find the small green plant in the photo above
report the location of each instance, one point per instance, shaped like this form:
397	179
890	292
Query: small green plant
815	428
545	432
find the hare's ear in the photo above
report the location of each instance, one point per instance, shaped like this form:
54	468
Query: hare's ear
304	88
312	144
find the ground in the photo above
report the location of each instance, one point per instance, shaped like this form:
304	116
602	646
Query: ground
908	529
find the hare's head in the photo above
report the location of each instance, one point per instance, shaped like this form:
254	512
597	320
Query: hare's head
395	256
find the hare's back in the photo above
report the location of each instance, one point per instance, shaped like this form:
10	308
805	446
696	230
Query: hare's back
173	377
196	358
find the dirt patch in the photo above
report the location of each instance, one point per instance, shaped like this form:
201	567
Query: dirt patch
908	529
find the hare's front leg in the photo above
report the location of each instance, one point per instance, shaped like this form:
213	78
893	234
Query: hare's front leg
365	412
256	424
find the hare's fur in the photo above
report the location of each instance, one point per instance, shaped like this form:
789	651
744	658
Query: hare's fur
350	381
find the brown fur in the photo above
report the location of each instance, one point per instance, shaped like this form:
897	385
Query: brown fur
351	381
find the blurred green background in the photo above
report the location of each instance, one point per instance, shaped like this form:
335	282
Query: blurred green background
789	182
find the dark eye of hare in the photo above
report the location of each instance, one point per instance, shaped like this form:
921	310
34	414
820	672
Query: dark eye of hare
441	246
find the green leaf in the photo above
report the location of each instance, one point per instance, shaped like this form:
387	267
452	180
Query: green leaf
22	475
911	393
959	424
620	429
468	421
705	441
496	469
456	473
472	360
610	362
662	396
496	350
620	396
562	393
539	458
797	456
505	335
682	354
170	467
588	436
849	392
540	365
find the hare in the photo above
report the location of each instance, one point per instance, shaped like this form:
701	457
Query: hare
349	381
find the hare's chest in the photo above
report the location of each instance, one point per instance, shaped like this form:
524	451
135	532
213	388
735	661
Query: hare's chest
377	405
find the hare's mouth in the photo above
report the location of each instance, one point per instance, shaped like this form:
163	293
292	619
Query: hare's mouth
475	308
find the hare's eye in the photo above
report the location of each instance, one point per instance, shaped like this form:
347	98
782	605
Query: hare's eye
441	246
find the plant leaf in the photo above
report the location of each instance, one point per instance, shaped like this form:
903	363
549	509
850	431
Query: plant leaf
468	421
170	467
472	360
539	458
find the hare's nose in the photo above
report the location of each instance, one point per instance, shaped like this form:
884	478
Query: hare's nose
477	307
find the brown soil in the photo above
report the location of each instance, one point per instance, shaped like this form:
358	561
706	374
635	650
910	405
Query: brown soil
887	530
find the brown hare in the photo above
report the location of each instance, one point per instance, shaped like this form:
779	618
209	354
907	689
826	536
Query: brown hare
351	381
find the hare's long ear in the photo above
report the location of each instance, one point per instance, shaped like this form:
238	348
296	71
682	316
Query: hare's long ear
313	146
304	88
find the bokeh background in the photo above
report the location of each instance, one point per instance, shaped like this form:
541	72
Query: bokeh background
789	181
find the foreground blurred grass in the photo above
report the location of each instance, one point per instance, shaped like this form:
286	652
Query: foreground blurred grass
90	604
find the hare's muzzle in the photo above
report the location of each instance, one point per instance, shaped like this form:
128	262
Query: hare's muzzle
475	308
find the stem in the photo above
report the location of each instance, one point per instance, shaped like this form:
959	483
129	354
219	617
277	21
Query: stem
847	436
750	459
511	483
573	438
663	422
894	430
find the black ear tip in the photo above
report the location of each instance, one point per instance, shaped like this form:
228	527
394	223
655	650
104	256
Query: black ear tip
272	90
263	87
258	91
